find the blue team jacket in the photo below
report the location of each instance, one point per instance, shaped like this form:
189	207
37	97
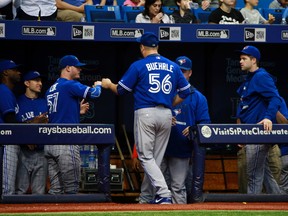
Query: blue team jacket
259	98
193	110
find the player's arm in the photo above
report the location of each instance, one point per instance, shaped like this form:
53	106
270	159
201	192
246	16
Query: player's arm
177	100
108	84
95	91
281	118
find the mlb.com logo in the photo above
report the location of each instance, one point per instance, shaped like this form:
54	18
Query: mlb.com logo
170	33
255	34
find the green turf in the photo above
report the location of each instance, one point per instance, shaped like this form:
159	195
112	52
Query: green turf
160	213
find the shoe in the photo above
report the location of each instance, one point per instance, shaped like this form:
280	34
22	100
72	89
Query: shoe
161	200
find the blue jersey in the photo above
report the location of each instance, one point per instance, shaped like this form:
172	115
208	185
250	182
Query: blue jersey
8	102
30	108
259	98
193	110
154	81
63	99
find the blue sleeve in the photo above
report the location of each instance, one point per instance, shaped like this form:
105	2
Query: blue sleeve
94	92
121	90
202	111
265	86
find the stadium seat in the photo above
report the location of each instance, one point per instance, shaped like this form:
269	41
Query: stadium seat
203	15
96	13
169	9
129	13
277	13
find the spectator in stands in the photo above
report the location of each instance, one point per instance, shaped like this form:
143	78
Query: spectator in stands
36	10
279	4
183	14
134	3
226	14
152	13
208	3
252	15
6	9
71	11
105	2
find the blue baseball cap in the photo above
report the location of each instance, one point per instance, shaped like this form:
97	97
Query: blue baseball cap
7	64
31	75
184	62
251	51
148	39
70	60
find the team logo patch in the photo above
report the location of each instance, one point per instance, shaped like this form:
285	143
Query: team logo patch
83	32
255	34
206	131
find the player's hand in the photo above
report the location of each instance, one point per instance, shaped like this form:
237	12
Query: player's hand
136	164
97	83
267	123
43	118
84	107
173	121
106	83
32	147
185	132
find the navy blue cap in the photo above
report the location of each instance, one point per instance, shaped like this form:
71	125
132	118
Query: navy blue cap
184	62
7	64
251	51
31	75
70	60
148	39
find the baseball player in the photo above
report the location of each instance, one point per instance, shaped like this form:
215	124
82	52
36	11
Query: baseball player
9	77
32	167
193	110
64	98
154	81
259	103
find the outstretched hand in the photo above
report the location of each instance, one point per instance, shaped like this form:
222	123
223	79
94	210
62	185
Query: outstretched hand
84	107
267	123
106	82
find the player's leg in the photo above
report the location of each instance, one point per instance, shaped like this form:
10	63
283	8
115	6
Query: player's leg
10	162
23	170
178	169
39	174
70	168
52	153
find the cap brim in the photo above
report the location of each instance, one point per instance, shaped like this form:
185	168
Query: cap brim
184	68
80	65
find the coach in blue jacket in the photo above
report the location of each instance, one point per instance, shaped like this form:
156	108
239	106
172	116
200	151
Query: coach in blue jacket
176	163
